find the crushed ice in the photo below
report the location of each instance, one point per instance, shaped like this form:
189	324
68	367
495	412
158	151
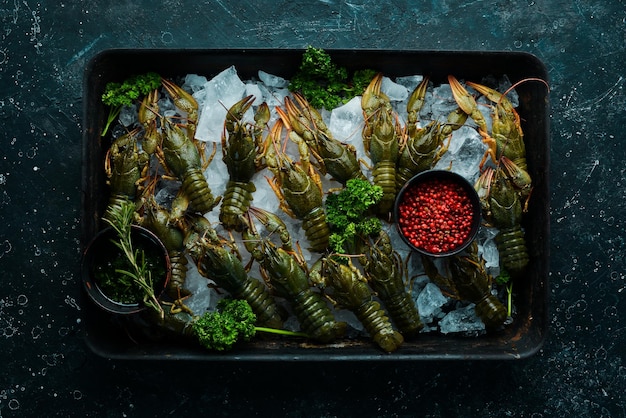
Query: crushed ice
438	312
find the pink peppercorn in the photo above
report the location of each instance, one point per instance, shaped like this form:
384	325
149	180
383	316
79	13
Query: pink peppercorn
436	215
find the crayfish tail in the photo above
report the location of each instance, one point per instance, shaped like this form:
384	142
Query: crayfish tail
385	176
316	318
377	324
175	287
405	315
197	189
262	303
513	251
236	202
316	229
491	311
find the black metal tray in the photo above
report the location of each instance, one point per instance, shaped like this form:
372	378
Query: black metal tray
106	335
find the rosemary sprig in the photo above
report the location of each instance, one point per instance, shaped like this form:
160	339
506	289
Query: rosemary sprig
120	218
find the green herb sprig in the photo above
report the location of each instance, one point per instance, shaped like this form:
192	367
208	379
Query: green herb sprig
118	95
347	214
324	83
120	218
233	321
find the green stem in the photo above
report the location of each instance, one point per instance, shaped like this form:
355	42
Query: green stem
281	332
509	291
113	114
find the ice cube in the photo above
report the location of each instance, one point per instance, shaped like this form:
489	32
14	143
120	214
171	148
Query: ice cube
465	153
443	102
418	283
346	122
216	173
396	92
222	91
344	315
410	82
166	106
462	320
128	115
264	196
273	96
430	301
202	297
488	249
254	90
271	80
194	83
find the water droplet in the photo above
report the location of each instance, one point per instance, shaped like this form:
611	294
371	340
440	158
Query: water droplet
517	44
578	307
36	332
167	38
14	404
610	311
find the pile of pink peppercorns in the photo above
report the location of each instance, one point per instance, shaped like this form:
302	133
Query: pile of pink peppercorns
435	215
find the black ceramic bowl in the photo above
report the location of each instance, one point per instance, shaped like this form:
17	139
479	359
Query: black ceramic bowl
437	213
102	251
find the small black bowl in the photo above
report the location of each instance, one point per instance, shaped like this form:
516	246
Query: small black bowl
442	177
101	251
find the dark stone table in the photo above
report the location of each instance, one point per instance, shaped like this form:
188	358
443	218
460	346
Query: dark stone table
47	369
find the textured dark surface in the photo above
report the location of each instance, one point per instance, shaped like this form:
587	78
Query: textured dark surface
46	367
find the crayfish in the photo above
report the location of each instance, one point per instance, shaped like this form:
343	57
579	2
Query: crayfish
469	281
502	207
298	189
384	271
422	148
349	290
307	128
175	146
124	166
240	147
286	274
160	221
382	134
218	262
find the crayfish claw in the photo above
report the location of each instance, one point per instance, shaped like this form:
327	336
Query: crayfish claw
185	102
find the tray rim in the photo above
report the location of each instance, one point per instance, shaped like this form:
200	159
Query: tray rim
322	355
